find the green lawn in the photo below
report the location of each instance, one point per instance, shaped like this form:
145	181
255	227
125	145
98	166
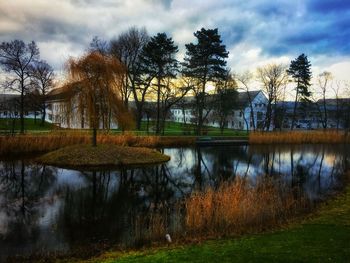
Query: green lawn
171	128
325	237
29	125
179	129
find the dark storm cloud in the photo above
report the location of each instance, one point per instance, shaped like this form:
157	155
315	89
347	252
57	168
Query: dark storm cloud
276	28
234	33
318	27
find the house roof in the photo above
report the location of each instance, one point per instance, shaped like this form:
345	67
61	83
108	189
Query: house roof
63	92
8	97
243	97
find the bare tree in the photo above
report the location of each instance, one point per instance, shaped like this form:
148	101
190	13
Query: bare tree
324	81
245	80
171	93
128	48
42	81
98	45
273	77
336	89
16	59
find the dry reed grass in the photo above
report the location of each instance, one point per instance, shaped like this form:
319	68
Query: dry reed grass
25	144
299	137
241	207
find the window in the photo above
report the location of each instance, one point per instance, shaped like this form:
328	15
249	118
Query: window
240	114
240	124
5	113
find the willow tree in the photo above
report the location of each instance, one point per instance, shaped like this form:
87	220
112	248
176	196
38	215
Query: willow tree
96	81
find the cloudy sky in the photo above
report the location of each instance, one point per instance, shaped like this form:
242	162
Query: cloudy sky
255	32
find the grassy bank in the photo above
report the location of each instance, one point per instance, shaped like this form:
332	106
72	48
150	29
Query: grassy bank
103	155
9	124
323	237
299	137
25	144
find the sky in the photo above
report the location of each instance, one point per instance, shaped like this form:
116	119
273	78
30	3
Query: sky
255	32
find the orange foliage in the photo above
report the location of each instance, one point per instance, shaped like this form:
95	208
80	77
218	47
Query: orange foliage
239	207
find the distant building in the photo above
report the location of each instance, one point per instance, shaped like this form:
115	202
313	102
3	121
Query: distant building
308	115
240	118
71	115
10	107
313	116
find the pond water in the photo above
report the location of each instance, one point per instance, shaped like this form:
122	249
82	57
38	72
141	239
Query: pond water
46	210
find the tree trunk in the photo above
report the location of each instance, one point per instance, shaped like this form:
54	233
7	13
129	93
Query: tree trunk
94	137
295	108
325	111
158	108
43	117
147	124
34	116
22	110
138	118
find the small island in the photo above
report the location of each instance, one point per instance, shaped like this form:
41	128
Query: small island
103	155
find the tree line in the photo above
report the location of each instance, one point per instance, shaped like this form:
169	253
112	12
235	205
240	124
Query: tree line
142	69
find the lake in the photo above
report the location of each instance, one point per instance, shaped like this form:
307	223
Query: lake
47	210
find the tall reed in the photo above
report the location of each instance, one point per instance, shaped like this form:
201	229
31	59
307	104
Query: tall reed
242	206
25	144
299	137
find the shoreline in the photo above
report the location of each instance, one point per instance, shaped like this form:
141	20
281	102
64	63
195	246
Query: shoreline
21	145
334	210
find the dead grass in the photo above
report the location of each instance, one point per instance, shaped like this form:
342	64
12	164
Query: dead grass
25	144
103	155
299	137
242	207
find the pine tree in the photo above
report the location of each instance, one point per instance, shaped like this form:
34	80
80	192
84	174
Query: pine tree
158	61
205	61
300	71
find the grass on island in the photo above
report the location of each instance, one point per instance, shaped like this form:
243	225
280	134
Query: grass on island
299	137
85	156
323	237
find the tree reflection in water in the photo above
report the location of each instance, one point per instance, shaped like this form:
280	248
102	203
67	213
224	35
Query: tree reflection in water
49	209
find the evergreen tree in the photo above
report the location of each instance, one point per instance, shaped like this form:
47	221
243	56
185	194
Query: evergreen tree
300	71
158	61
205	61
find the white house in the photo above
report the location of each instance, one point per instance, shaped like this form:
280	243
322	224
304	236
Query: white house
251	106
71	115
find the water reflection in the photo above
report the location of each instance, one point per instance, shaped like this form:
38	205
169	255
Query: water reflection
49	209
